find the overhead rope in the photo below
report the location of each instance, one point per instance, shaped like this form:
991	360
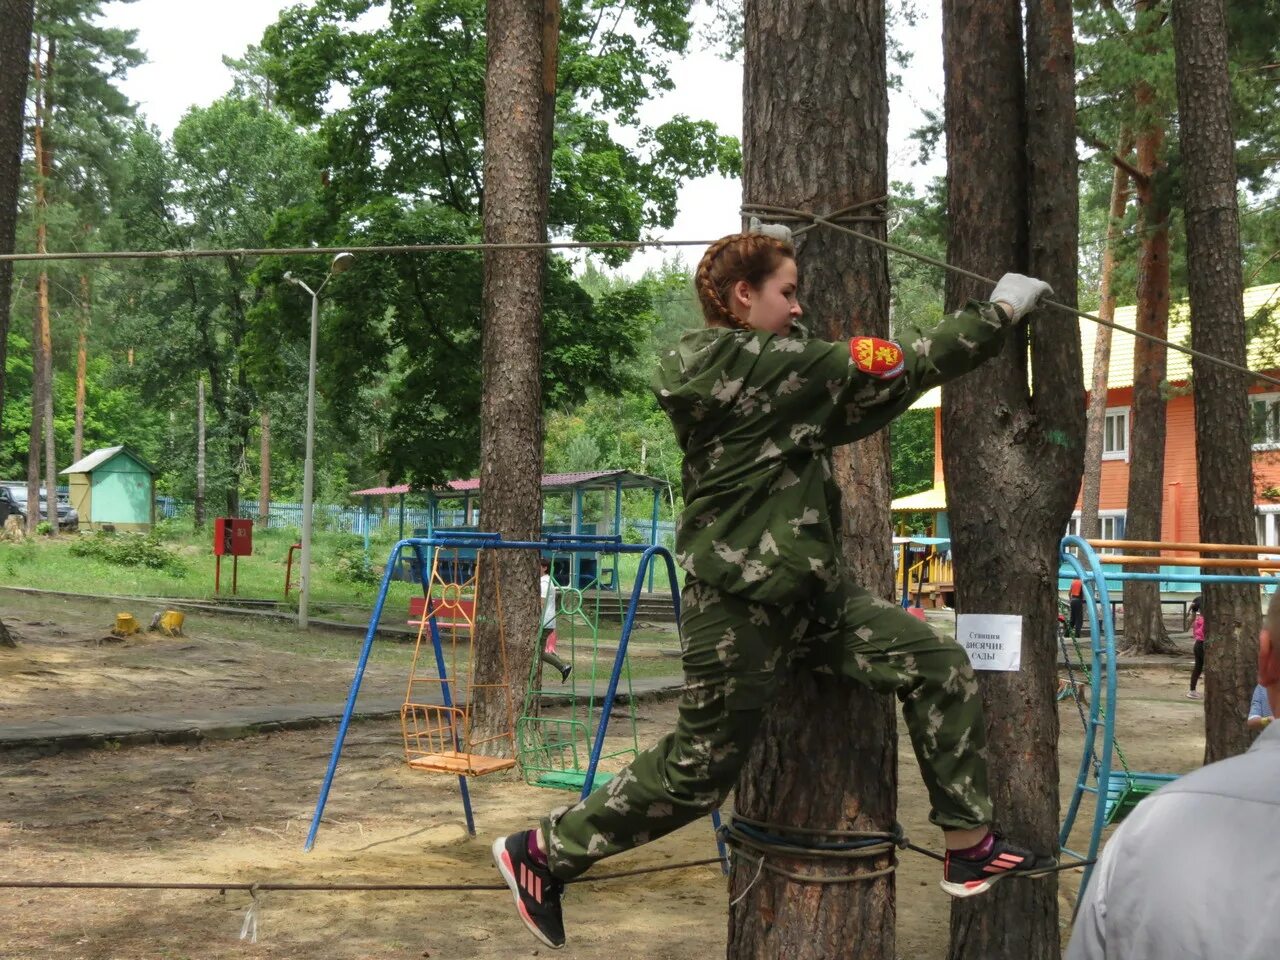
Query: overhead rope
805	216
836	220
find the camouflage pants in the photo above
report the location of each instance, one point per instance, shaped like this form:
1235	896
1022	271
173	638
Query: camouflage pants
734	649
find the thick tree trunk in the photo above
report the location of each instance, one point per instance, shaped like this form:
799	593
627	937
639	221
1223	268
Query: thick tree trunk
264	469
1096	422
1144	630
1013	458
1223	455
15	59
520	81
815	136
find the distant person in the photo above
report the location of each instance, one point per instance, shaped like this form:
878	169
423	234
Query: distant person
1197	652
1260	712
1075	597
547	587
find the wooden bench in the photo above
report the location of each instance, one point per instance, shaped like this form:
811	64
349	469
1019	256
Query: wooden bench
459	613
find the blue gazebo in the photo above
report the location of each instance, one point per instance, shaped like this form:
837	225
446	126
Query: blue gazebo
467	495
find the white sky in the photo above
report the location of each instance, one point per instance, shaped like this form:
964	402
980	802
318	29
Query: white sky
185	41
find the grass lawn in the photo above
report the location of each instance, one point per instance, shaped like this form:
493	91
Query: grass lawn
337	558
337	591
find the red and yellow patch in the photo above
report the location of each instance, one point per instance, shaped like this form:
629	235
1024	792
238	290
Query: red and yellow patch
881	359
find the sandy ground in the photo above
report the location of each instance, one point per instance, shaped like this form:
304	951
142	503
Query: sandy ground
238	811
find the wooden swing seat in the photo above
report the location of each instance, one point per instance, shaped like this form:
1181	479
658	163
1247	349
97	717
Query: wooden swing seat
461	764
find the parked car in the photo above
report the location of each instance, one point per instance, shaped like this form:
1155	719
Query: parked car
68	518
9	506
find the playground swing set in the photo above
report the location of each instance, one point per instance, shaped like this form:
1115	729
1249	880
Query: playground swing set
437	728
1117	791
551	750
554	751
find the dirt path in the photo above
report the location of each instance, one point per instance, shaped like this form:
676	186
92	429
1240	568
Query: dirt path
238	811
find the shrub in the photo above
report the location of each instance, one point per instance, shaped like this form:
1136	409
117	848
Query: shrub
350	565
130	550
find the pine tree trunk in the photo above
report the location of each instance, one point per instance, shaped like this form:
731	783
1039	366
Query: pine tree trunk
520	82
1095	430
46	339
200	454
1144	631
82	361
50	460
38	385
815	136
264	469
1013	456
15	58
1223	455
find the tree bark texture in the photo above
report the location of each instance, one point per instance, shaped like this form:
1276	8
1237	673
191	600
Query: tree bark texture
815	128
1144	630
1013	458
1223	449
1096	422
15	58
520	81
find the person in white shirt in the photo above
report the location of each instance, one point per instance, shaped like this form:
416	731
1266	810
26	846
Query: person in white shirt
548	634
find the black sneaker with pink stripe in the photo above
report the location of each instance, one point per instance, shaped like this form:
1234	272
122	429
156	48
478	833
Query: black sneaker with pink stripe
965	877
536	891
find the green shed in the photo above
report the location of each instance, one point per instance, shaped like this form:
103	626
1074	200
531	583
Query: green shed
113	486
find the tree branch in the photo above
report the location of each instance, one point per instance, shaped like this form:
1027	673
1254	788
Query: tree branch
1138	176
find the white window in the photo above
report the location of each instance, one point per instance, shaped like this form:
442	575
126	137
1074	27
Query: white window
1266	521
1264	409
1111	522
1115	434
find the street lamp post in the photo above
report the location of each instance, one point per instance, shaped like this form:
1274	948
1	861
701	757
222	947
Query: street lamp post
340	263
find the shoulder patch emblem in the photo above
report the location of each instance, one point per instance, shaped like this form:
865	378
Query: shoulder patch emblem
882	359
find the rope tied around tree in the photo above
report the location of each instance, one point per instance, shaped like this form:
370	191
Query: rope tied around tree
756	841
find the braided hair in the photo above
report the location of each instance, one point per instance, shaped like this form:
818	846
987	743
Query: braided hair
739	256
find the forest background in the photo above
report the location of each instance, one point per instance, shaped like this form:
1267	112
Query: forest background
344	127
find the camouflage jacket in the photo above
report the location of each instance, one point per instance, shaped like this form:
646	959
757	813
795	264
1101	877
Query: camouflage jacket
757	415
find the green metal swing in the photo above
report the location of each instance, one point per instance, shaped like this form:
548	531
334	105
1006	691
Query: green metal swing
554	751
1125	787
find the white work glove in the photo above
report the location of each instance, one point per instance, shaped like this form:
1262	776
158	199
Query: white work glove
776	230
1020	293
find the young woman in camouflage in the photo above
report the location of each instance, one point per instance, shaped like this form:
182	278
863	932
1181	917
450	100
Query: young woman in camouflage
757	407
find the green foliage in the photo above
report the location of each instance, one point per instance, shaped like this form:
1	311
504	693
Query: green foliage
130	550
349	564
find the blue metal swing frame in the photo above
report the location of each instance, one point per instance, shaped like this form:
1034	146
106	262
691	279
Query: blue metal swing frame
1111	786
567	543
